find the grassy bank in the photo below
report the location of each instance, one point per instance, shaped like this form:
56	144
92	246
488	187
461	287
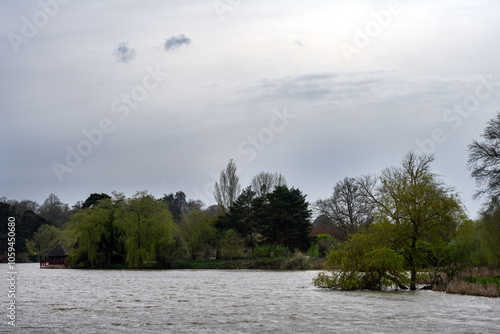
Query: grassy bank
272	263
474	281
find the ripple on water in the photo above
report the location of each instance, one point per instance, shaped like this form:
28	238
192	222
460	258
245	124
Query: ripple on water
211	301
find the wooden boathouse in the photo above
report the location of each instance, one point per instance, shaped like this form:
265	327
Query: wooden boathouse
54	257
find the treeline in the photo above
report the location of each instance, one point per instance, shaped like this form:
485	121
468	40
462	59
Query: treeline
265	219
38	227
406	220
380	227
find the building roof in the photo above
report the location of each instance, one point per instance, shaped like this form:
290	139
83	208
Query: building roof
57	250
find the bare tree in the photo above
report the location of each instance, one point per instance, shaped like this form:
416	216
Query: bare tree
54	210
484	160
348	208
264	183
228	188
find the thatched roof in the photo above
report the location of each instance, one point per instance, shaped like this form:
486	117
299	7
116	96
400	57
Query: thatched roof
57	250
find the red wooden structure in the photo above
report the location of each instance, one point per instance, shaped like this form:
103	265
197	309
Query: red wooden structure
54	257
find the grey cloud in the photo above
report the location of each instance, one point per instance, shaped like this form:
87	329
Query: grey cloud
123	53
175	42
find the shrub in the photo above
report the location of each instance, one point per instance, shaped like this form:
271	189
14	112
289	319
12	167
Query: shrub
298	260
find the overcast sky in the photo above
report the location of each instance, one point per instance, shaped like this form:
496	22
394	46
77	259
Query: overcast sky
159	95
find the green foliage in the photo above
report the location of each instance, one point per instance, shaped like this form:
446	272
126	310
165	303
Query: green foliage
148	230
297	260
364	263
47	236
283	218
92	227
322	245
483	280
489	233
199	232
313	251
231	245
274	251
138	231
241	218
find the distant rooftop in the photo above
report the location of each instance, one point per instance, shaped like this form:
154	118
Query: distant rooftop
57	250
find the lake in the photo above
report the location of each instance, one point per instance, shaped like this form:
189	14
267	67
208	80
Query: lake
228	301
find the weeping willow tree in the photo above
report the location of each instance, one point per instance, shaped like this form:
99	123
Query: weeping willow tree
139	231
93	228
148	231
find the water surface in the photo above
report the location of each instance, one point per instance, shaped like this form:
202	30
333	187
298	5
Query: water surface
229	301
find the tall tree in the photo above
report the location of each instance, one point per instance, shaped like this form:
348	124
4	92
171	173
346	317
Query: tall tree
227	189
25	205
265	182
95	230
484	160
348	208
199	232
241	217
284	218
489	233
54	210
149	231
93	199
176	204
418	207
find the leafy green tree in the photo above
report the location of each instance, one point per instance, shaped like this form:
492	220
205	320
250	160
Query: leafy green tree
149	231
200	233
47	236
418	206
283	218
94	229
230	245
322	244
489	234
364	262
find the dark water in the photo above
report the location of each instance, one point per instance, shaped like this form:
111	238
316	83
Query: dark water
223	301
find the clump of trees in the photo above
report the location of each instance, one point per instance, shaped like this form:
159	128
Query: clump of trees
413	217
145	232
38	227
407	220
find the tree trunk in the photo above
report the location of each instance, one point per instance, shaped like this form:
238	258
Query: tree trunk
413	279
413	274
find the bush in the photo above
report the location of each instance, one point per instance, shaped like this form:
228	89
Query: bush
263	251
298	260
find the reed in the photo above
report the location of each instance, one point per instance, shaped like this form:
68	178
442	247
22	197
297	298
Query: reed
469	282
477	289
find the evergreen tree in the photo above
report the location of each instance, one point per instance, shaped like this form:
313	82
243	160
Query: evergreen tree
241	217
284	218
